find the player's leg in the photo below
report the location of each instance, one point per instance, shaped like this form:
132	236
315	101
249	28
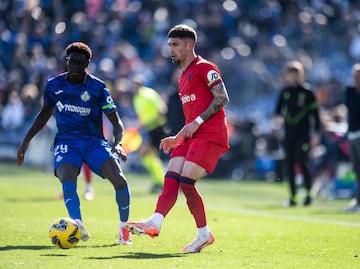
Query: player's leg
289	147
67	174
354	145
305	170
203	158
105	164
67	163
165	202
89	190
154	166
196	206
112	171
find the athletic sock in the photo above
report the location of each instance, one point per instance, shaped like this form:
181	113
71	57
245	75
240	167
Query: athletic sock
203	232
87	173
71	199
123	202
193	200
88	188
168	197
155	167
157	219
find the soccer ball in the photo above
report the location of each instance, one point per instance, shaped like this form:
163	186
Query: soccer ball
64	233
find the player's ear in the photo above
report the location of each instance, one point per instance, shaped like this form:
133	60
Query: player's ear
190	44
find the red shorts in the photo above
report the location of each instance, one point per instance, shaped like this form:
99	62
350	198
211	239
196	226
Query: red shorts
200	151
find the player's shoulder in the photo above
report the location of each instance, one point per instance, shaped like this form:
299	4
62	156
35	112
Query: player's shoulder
95	80
307	87
208	70
205	63
56	81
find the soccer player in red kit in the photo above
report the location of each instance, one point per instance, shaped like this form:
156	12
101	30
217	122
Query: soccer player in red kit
197	147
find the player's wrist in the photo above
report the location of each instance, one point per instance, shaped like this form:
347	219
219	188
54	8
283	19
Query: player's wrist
199	120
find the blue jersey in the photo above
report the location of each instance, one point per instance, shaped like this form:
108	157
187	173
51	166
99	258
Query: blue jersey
79	107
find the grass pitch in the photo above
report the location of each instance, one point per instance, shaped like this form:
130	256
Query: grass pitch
251	227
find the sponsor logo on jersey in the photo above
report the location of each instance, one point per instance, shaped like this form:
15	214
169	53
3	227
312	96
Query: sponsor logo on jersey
188	98
82	111
85	96
212	76
58	92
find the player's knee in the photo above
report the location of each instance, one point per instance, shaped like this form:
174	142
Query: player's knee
119	183
67	172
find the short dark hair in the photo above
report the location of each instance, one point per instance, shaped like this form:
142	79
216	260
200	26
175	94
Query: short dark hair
79	47
182	31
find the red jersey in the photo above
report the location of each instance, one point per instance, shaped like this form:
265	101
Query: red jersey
194	87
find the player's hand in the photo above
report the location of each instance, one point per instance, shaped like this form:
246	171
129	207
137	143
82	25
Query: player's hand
168	143
21	152
118	149
189	130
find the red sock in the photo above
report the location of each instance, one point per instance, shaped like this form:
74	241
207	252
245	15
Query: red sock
193	200
87	173
168	197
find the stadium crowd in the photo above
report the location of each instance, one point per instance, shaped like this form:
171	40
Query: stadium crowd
249	40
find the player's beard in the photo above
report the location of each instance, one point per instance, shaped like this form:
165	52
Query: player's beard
174	60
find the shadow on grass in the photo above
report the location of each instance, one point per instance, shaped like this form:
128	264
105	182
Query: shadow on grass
6	248
139	255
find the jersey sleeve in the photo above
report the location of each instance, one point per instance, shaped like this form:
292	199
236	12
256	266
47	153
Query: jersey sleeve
48	95
107	104
211	74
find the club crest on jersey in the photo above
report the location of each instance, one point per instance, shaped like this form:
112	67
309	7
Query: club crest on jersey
212	76
85	96
189	76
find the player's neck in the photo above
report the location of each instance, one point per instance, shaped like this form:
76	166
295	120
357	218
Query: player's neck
74	79
188	61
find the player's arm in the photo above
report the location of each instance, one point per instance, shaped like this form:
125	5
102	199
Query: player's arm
118	128
221	98
39	122
278	118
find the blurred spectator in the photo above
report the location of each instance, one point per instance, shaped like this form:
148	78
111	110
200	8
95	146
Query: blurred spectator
250	41
31	99
13	115
151	112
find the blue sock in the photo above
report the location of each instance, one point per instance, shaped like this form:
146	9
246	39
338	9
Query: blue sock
71	199
123	201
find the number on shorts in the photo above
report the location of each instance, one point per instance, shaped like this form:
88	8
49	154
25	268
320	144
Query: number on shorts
62	148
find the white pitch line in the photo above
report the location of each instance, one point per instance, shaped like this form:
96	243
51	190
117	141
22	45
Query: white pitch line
260	213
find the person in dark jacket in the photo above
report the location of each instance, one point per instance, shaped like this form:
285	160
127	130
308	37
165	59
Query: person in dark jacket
352	101
298	108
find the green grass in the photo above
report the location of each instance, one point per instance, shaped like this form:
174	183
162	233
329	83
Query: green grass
251	227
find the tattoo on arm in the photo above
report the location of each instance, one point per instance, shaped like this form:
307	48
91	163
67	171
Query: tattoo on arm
221	98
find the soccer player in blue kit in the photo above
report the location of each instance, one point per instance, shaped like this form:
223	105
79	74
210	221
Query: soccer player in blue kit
78	100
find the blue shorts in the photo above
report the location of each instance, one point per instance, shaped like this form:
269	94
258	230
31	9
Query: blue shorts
91	151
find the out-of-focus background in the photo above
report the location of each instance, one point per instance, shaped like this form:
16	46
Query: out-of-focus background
249	40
